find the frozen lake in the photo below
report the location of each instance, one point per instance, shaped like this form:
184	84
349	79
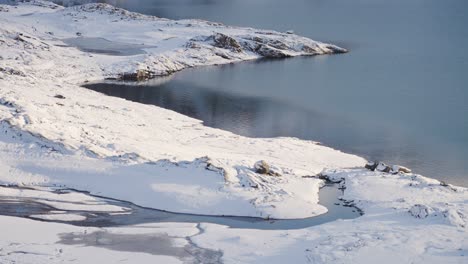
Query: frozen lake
399	96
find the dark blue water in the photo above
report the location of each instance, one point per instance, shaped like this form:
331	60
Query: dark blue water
400	95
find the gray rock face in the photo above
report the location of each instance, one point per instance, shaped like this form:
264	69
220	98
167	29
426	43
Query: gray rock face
226	42
371	165
399	169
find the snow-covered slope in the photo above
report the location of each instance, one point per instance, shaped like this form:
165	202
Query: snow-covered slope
55	133
144	146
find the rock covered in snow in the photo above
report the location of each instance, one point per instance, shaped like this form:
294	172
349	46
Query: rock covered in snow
420	211
382	167
399	169
226	42
262	167
371	165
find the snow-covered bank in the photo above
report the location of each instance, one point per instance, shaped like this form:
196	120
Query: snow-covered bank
53	132
171	161
391	231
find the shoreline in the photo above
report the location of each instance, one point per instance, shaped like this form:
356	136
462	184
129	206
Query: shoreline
56	133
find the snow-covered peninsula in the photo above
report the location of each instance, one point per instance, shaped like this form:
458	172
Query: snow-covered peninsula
58	135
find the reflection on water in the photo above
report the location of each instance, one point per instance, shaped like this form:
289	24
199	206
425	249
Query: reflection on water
400	95
266	116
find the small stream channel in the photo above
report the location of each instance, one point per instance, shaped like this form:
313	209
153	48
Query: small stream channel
329	197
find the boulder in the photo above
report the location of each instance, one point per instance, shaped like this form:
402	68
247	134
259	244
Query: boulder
139	75
371	165
262	167
420	211
382	167
399	169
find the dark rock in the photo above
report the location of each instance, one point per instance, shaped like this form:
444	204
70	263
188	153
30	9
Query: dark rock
371	165
278	44
442	183
309	49
271	52
59	96
382	167
139	75
12	71
226	42
262	167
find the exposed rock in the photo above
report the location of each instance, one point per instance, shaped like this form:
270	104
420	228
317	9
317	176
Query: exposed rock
271	52
262	167
290	32
444	184
277	44
420	211
226	42
382	167
12	71
140	75
309	49
399	169
59	96
371	165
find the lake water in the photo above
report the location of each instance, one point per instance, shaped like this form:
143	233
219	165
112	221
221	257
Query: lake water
400	94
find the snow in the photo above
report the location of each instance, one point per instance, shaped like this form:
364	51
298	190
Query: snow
39	242
56	135
179	164
60	217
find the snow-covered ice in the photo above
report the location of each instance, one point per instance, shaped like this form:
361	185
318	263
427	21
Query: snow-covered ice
54	134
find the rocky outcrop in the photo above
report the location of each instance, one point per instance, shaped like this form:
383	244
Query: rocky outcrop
382	167
226	42
262	167
139	75
271	52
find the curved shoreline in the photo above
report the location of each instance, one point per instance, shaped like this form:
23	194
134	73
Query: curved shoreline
123	132
53	132
136	215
